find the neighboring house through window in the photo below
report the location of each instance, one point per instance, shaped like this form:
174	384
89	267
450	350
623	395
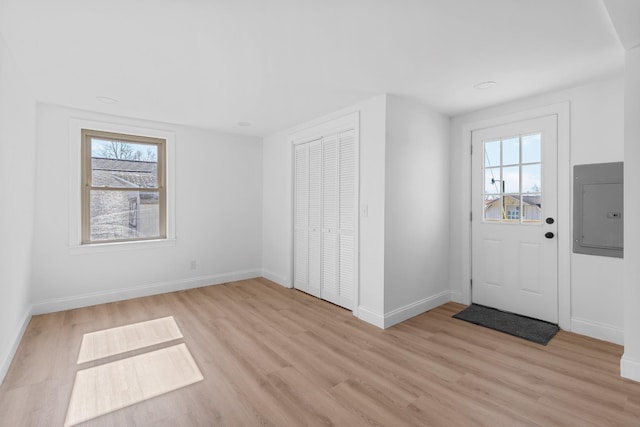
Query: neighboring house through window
513	212
123	187
531	209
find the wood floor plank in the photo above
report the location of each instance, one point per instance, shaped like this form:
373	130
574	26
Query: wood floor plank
272	356
372	404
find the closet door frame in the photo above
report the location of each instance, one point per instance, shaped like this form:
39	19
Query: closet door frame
349	122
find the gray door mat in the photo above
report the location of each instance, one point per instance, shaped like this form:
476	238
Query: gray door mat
530	329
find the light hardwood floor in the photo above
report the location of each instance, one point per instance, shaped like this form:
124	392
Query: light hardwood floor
272	356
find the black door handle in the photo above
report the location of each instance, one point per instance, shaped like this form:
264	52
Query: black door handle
548	235
549	220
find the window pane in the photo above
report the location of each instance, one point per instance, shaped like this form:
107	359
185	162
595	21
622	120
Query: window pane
124	215
532	207
492	208
511	177
123	164
511	151
531	179
531	148
492	180
491	154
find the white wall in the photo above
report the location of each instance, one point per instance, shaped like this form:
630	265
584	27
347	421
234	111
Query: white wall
596	116
277	199
218	222
416	276
17	187
630	364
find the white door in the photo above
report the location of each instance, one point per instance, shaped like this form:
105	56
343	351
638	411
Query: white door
514	218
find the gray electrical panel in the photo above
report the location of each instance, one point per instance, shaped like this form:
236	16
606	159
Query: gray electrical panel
597	209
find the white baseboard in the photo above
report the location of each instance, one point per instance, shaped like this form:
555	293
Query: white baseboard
408	311
630	368
15	342
85	300
597	330
403	313
276	278
370	316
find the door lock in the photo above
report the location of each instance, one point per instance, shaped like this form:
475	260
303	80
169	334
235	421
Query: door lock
549	221
548	235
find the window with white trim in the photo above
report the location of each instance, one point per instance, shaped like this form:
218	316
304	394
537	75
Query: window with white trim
123	187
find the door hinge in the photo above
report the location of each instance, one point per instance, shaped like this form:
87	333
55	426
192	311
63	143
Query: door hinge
471	282
471	149
470	216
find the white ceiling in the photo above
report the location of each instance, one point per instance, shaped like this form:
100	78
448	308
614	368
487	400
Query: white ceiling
625	16
276	63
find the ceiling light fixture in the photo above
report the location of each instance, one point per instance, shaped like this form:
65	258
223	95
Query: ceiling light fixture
485	85
244	124
106	99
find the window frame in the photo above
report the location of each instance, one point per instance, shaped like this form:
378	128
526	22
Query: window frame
86	168
501	193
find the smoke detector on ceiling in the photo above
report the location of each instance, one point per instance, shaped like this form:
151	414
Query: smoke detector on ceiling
106	99
485	85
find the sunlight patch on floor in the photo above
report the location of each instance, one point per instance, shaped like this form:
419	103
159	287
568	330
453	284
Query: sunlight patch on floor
105	388
110	342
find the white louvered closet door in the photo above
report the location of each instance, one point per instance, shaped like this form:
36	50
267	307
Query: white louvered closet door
347	218
326	218
330	289
315	217
301	219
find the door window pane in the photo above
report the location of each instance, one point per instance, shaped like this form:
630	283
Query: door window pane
531	148
511	177
531	178
511	151
492	180
492	208
491	154
532	207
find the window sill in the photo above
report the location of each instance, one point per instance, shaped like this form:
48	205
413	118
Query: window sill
121	246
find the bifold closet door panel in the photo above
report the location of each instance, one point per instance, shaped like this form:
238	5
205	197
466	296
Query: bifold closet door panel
347	212
315	217
330	230
301	219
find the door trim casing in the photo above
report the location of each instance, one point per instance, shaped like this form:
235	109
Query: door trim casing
563	112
